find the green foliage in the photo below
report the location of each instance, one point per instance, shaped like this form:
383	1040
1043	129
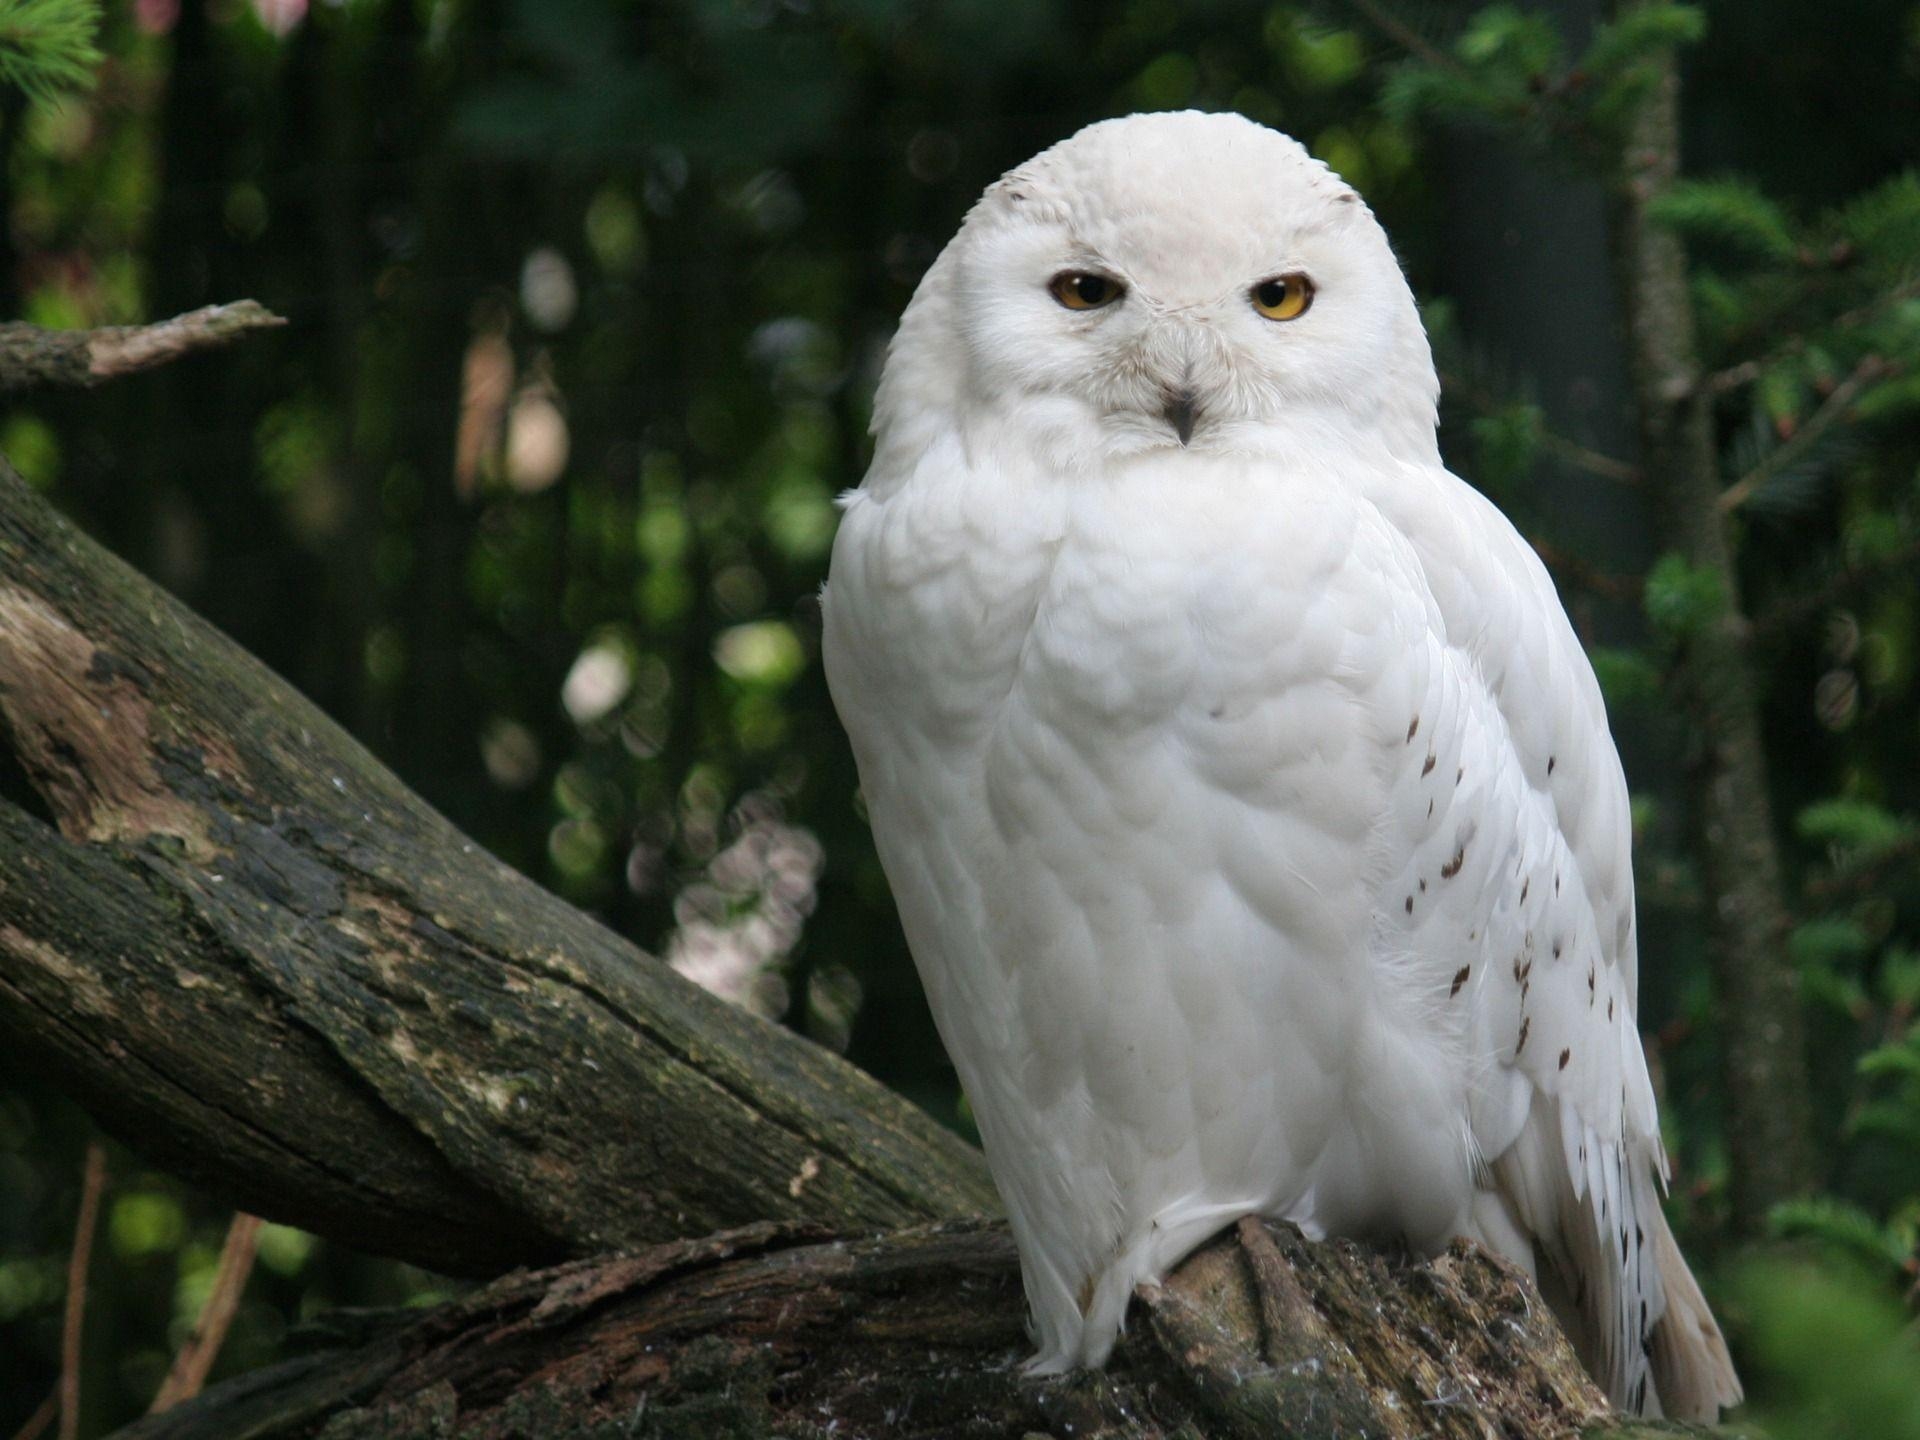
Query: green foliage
1884	1251
1857	831
1507	445
1884	226
1511	41
1638	34
1507	70
1627	676
1730	211
1828	943
47	46
1622	60
1834	1353
1893	1112
1681	598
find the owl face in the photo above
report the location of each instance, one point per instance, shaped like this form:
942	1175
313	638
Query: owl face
1184	280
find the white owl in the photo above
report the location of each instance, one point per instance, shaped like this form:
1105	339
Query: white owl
1246	795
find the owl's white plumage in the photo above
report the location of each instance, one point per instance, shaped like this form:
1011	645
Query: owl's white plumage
1248	800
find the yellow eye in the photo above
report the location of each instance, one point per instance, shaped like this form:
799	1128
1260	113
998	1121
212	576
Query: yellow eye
1084	290
1285	297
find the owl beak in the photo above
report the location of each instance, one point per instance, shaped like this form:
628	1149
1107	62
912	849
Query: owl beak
1180	412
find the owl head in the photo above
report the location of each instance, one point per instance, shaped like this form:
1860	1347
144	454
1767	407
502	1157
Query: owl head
1169	281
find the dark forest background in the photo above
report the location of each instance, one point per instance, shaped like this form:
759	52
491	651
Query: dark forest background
535	492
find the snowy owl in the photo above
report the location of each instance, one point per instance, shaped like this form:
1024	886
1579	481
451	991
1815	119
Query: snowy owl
1247	798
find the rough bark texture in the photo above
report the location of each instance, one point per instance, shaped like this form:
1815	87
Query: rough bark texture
262	962
1769	1122
32	358
916	1336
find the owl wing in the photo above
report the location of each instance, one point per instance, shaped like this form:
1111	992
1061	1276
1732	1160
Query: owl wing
1518	880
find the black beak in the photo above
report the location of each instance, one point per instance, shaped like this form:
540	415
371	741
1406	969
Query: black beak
1180	412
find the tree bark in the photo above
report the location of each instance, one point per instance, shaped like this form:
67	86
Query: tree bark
1769	1119
918	1334
33	358
263	963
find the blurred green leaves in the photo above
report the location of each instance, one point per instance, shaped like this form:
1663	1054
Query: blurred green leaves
1836	1356
47	46
1681	598
1731	211
1506	69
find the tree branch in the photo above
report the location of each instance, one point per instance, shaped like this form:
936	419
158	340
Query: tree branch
1831	412
266	965
918	1335
1569	452
1746	372
1406	37
32	358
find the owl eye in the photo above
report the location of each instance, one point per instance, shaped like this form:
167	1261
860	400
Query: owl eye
1284	297
1084	290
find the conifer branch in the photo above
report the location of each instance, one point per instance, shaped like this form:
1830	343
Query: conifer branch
1406	37
1831	412
46	46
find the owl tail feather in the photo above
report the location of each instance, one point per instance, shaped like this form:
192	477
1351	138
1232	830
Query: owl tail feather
1691	1367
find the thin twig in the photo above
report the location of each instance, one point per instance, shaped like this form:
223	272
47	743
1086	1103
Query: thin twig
38	1422
92	1184
1593	462
1831	412
1733	377
34	358
202	1347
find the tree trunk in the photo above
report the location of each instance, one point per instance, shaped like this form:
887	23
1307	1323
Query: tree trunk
261	961
1769	1120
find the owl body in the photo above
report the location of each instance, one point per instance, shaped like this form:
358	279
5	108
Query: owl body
1244	791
